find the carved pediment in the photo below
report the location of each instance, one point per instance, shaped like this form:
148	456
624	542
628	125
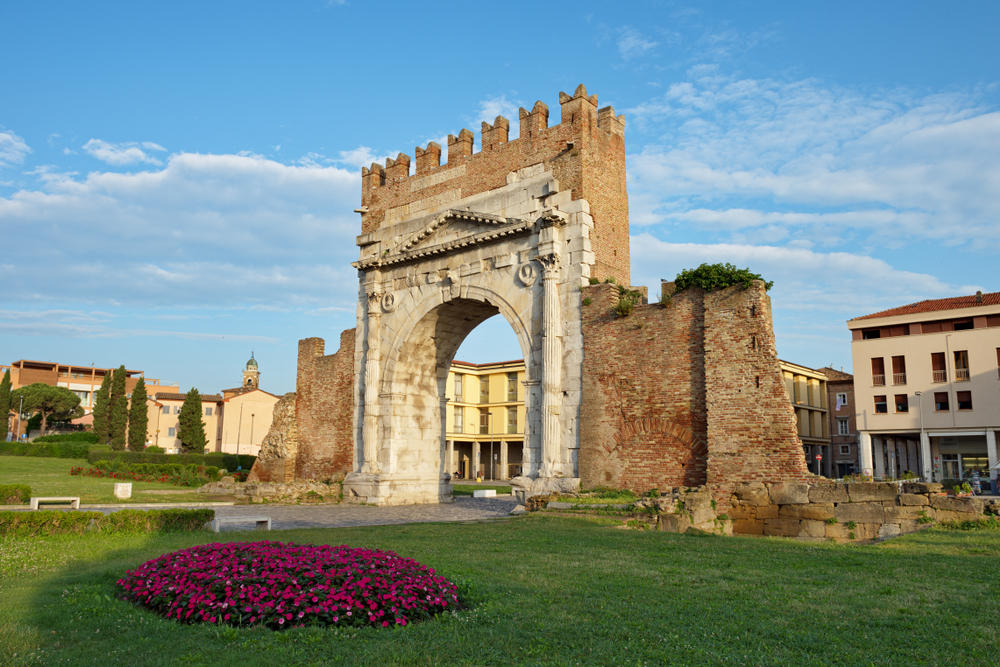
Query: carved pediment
447	232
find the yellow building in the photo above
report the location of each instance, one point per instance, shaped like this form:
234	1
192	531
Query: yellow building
162	412
485	419
807	391
926	388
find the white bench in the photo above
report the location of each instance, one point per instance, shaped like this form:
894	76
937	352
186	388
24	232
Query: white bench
73	501
259	521
484	493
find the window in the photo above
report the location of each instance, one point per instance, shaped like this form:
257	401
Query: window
868	334
961	365
843	428
484	421
899	370
171	432
458	387
902	403
512	420
964	399
962	325
459	418
938	372
208	412
177	409
881	407
512	387
878	371
845	449
841	401
484	389
166	409
941	401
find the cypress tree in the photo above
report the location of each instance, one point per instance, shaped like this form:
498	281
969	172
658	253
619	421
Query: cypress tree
5	403
190	427
138	419
102	411
119	409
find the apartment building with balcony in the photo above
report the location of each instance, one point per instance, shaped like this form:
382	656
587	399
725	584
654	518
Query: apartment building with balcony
842	424
484	430
927	388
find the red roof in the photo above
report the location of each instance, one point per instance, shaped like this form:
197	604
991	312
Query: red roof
931	305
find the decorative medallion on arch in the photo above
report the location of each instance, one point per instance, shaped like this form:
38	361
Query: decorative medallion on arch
519	251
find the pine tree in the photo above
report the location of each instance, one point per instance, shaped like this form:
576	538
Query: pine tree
190	427
138	419
102	411
5	403
119	409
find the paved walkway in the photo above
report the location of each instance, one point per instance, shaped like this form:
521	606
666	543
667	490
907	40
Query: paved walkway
284	517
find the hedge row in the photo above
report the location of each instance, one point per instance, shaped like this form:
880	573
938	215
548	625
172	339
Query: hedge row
53	522
76	436
14	494
58	450
216	459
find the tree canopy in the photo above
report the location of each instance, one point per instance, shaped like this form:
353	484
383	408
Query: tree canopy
5	402
102	411
190	427
119	409
50	403
138	420
711	277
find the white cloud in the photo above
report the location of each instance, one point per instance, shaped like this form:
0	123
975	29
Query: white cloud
13	149
499	105
122	154
632	43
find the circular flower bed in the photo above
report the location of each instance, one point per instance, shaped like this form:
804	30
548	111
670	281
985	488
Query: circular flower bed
288	585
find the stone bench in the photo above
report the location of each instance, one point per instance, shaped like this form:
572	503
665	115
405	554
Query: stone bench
259	521
484	493
73	501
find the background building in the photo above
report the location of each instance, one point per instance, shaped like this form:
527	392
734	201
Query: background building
164	408
807	391
927	384
842	426
485	419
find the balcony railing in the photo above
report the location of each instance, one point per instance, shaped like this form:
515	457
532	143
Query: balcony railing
899	378
939	376
878	380
961	374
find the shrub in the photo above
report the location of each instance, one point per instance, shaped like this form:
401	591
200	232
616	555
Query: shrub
626	301
711	277
153	449
174	473
217	459
59	450
14	494
280	585
54	522
76	436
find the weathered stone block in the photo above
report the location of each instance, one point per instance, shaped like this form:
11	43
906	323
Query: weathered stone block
748	527
836	531
674	523
813	511
889	530
967	505
860	512
922	487
740	512
790	493
828	493
860	492
811	528
752	493
767	512
782	527
900	512
913	499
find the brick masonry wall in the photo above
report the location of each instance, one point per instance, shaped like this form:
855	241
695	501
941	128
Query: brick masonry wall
684	394
324	408
642	417
752	432
585	151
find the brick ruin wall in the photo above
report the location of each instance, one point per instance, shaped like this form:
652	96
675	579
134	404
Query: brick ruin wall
684	393
323	417
585	151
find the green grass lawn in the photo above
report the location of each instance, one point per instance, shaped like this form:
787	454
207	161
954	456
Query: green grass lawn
459	489
547	590
50	477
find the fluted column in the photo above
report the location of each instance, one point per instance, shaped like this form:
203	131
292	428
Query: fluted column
369	434
551	365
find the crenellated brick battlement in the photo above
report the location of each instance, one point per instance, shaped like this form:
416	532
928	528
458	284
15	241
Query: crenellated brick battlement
585	152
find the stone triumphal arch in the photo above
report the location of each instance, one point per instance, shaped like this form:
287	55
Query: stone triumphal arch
684	392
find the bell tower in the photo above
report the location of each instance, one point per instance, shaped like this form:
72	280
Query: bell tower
251	375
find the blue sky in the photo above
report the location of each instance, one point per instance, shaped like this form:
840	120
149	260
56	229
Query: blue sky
177	179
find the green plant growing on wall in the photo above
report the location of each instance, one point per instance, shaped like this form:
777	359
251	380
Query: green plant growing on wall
711	277
626	301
